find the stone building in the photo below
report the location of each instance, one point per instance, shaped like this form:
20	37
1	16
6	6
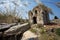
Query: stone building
38	16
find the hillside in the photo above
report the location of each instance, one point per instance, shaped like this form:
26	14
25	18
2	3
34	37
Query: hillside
48	32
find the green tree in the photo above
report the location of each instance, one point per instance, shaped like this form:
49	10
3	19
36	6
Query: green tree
55	17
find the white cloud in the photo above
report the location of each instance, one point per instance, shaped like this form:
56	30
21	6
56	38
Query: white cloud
37	1
20	3
26	3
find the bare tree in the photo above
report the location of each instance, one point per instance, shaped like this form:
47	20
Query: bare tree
57	4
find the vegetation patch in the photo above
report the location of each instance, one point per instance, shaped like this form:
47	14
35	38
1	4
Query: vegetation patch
42	30
33	30
57	31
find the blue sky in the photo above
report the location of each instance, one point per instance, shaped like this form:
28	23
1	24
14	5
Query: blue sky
25	5
54	8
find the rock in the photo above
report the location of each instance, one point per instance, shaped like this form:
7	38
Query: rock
28	35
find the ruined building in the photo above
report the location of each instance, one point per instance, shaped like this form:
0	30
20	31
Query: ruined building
38	15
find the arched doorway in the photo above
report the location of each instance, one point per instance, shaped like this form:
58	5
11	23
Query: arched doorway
34	20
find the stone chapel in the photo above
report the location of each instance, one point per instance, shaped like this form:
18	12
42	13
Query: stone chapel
38	16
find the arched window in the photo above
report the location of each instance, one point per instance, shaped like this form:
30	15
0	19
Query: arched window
35	11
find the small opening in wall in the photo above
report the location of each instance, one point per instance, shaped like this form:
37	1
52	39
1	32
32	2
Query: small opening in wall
35	11
42	12
34	20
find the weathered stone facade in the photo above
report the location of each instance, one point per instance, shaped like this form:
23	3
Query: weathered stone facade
38	16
